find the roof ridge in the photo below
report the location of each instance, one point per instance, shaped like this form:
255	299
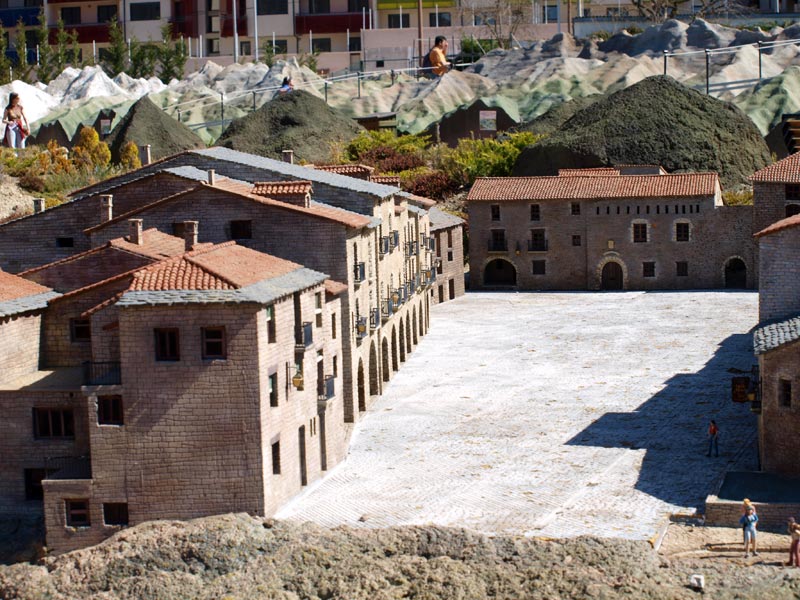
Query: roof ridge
66	259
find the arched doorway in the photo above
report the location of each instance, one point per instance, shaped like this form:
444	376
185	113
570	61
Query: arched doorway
402	342
395	364
419	320
611	277
362	394
409	327
735	273
499	272
374	388
413	326
385	359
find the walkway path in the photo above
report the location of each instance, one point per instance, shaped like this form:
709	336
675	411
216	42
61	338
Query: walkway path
551	414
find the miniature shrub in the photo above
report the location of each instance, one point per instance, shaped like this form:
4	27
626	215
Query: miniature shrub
742	197
129	156
368	141
436	185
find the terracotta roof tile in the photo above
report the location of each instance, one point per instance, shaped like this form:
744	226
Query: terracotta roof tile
156	244
594	188
357	171
783	171
13	287
334	288
786	223
420	201
276	189
594	172
386	179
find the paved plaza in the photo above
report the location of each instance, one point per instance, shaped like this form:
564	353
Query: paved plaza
551	414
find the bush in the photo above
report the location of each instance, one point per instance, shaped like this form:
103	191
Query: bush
368	141
633	30
32	182
90	153
436	185
741	197
485	157
601	35
389	160
129	156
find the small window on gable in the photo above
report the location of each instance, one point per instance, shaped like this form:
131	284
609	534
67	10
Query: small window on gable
109	410
681	232
77	513
495	211
535	212
270	312
80	330
65	242
241	230
648	269
214	342
167	344
785	392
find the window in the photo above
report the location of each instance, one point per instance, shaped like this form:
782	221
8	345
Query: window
321	45
212	4
212	44
682	268
71	15
109	410
318	308
167	344
449	256
792	191
146	11
213	25
80	330
575	208
576	240
319	7
538	267
443	20
449	238
333	326
281	46
498	240
106	13
681	232
270	312
276	458
639	232
33	3
785	392
53	423
65	242
335	366
355	6
550	13
213	342
538	241
33	484
241	230
792	209
245	48
648	269
535	212
395	22
115	513
77	513
273	7
495	211
273	390
355	44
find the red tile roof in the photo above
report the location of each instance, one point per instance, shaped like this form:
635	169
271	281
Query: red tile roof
276	189
588	172
783	171
594	188
420	201
786	223
220	267
361	171
13	287
334	288
386	179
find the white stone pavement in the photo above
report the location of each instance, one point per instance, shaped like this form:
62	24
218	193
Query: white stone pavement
551	414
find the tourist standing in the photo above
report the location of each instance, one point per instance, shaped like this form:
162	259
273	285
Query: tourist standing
713	438
438	56
748	523
794	549
286	85
16	123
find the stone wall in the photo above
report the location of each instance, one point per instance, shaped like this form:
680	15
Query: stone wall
771	516
87	269
779	275
779	424
19	352
450	250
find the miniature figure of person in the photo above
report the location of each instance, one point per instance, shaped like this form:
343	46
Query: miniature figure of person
286	85
16	123
438	56
746	503
748	523
713	438
794	550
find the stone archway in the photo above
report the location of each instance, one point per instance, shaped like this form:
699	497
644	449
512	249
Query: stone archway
413	326
362	393
402	341
395	363
409	326
374	384
612	276
735	273
385	359
499	272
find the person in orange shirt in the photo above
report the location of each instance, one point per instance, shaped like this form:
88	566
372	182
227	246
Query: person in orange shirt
713	438
438	56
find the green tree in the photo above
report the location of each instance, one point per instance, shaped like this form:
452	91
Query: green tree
5	64
74	51
116	58
172	55
61	53
144	59
21	46
45	70
268	53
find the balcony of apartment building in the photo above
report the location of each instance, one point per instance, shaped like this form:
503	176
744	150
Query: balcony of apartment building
12	11
331	16
101	373
90	27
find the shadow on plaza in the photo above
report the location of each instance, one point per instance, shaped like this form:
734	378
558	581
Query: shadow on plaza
671	428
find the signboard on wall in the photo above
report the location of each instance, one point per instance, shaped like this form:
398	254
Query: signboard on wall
487	120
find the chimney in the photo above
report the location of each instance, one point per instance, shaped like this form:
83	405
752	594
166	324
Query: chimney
212	177
136	236
190	233
288	156
38	205
106	207
144	155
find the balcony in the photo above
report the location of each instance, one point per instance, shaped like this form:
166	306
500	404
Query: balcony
537	245
411	5
498	246
361	327
326	388
227	25
374	318
102	373
332	22
359	272
384	245
87	32
29	16
387	309
394	236
411	248
304	336
68	467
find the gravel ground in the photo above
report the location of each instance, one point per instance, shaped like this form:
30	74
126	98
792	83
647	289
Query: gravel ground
564	414
13	200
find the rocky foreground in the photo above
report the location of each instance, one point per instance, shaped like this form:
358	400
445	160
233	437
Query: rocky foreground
238	556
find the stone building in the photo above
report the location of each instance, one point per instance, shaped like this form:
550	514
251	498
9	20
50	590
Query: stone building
621	228
448	233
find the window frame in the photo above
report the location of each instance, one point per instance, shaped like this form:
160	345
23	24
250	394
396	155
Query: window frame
71	512
539	267
536	212
152	12
46	414
166	356
275	451
121	510
269	311
636	229
76	326
682	268
110	410
494	213
241	229
683	231
274	399
648	269
575	209
576	238
205	341
111	8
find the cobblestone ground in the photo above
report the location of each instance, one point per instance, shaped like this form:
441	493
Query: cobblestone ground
551	414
